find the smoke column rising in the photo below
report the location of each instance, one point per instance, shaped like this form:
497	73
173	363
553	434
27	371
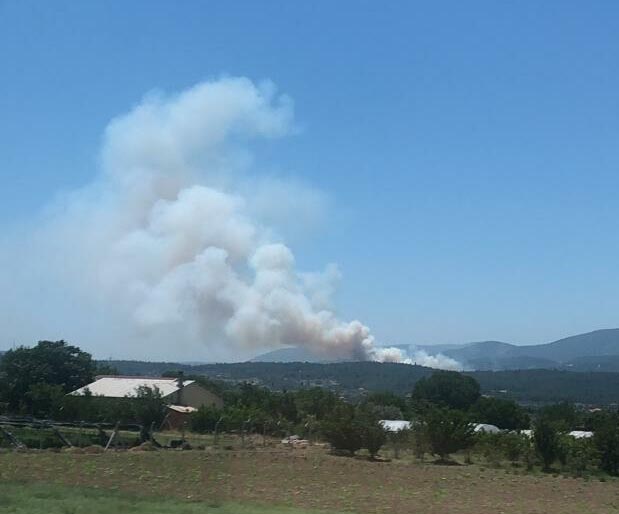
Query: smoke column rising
168	233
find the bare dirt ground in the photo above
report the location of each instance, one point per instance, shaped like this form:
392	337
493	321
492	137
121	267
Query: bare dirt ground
315	480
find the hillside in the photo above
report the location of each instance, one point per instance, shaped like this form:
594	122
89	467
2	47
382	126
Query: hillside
287	355
355	378
495	355
592	351
598	343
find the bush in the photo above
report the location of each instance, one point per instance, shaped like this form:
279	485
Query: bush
505	414
343	434
447	389
448	431
514	446
606	442
373	436
578	454
546	442
420	440
205	419
490	446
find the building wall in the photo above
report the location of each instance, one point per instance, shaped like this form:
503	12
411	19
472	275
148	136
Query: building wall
175	420
194	395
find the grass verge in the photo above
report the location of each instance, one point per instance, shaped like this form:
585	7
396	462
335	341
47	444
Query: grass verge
16	498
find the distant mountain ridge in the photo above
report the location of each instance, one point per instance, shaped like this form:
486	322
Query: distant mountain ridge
495	355
592	351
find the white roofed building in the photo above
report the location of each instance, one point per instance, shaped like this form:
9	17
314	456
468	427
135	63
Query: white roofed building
485	428
395	425
174	391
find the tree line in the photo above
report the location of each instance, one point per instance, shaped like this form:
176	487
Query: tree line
443	408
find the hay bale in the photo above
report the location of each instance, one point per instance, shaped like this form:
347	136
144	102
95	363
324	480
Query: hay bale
72	449
93	449
144	447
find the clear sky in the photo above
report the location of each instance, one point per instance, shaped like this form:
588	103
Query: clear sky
469	150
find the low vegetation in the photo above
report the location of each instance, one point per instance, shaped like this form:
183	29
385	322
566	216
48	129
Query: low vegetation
20	498
443	409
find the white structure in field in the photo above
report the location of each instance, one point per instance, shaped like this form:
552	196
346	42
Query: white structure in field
581	434
485	428
395	425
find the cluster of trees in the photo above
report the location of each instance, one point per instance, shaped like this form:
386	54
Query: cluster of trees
442	407
34	381
554	446
311	413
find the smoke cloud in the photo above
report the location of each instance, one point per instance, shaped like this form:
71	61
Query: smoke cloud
169	243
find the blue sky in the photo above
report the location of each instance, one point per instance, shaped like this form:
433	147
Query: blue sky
469	150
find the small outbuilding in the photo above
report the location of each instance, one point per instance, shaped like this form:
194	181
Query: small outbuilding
177	417
485	428
395	425
580	434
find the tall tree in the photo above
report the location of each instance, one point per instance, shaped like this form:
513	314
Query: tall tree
546	441
447	431
447	389
54	363
503	413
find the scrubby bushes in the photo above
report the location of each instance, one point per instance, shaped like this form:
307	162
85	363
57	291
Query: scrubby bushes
447	431
606	442
546	441
351	429
505	414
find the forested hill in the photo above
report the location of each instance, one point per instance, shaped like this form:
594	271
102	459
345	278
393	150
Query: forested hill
353	378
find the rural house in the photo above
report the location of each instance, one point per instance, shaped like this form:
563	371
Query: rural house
174	391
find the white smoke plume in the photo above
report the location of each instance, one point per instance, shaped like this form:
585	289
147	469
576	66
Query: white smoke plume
168	232
418	357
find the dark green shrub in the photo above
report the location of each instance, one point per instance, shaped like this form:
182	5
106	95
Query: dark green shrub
447	431
546	442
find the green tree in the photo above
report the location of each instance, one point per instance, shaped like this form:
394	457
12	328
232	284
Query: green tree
447	389
373	435
420	439
606	441
505	414
44	399
447	431
343	431
54	363
148	408
546	441
205	419
316	402
514	446
563	415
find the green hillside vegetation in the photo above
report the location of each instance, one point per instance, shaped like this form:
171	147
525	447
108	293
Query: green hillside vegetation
356	378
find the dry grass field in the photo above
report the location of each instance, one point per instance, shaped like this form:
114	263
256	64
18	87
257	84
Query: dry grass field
312	479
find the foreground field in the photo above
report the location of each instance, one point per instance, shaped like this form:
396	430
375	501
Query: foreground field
46	499
303	479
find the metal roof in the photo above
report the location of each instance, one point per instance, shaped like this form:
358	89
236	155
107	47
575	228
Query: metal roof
395	425
485	427
121	387
182	409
